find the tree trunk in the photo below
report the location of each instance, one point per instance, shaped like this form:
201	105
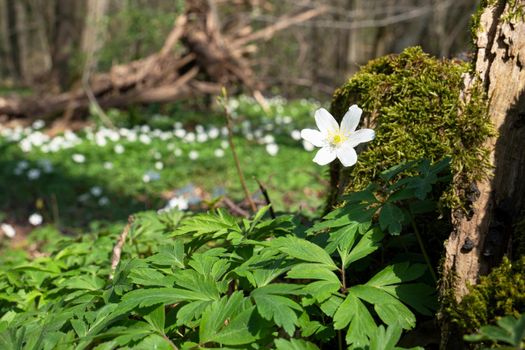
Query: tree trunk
13	38
65	34
500	66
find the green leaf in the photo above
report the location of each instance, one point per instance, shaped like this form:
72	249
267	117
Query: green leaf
419	296
155	296
191	311
303	250
369	243
354	314
397	273
272	306
388	308
150	277
156	319
226	321
391	217
153	342
92	283
169	255
294	344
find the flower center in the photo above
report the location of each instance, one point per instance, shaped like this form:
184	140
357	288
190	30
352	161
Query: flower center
337	138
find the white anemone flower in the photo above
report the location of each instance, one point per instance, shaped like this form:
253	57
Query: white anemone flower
337	141
35	219
9	230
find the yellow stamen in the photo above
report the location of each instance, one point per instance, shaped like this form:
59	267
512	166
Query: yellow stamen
337	138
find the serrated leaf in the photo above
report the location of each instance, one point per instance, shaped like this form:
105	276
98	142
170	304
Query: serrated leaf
169	255
354	314
191	311
150	277
294	344
157	318
226	321
282	310
368	243
303	250
388	308
391	217
397	273
419	296
92	283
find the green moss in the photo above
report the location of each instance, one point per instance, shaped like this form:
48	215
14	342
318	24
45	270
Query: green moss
498	294
413	102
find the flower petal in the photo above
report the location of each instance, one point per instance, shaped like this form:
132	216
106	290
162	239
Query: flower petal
314	137
325	122
351	119
360	136
347	155
325	155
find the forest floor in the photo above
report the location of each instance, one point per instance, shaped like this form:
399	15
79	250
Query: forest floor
96	176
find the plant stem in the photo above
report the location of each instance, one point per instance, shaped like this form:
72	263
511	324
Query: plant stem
340	340
343	277
423	250
229	126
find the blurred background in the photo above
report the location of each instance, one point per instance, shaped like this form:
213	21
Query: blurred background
108	107
44	44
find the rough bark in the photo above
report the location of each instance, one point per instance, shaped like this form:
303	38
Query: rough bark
500	66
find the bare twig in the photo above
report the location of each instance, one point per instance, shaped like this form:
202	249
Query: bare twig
229	125
117	250
234	207
266	197
283	23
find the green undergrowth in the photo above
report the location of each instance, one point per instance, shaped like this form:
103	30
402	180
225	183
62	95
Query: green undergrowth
354	279
412	101
501	293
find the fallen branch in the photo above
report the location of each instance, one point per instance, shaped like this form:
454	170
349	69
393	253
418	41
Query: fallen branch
117	250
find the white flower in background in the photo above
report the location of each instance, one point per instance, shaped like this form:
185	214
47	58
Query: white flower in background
224	131
78	158
35	219
296	135
170	147
145	139
213	133
101	141
177	152
96	191
225	144
202	137
287	119
108	165
9	230
157	155
177	125
119	149
337	141
193	155
190	137
180	133
145	128
269	139
272	149
132	136
46	165
103	201
219	153
151	176
38	124
179	203
308	146
159	165
33	174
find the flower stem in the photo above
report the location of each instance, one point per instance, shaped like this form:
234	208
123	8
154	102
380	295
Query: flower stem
229	126
423	250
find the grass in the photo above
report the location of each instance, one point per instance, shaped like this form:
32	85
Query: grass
43	174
